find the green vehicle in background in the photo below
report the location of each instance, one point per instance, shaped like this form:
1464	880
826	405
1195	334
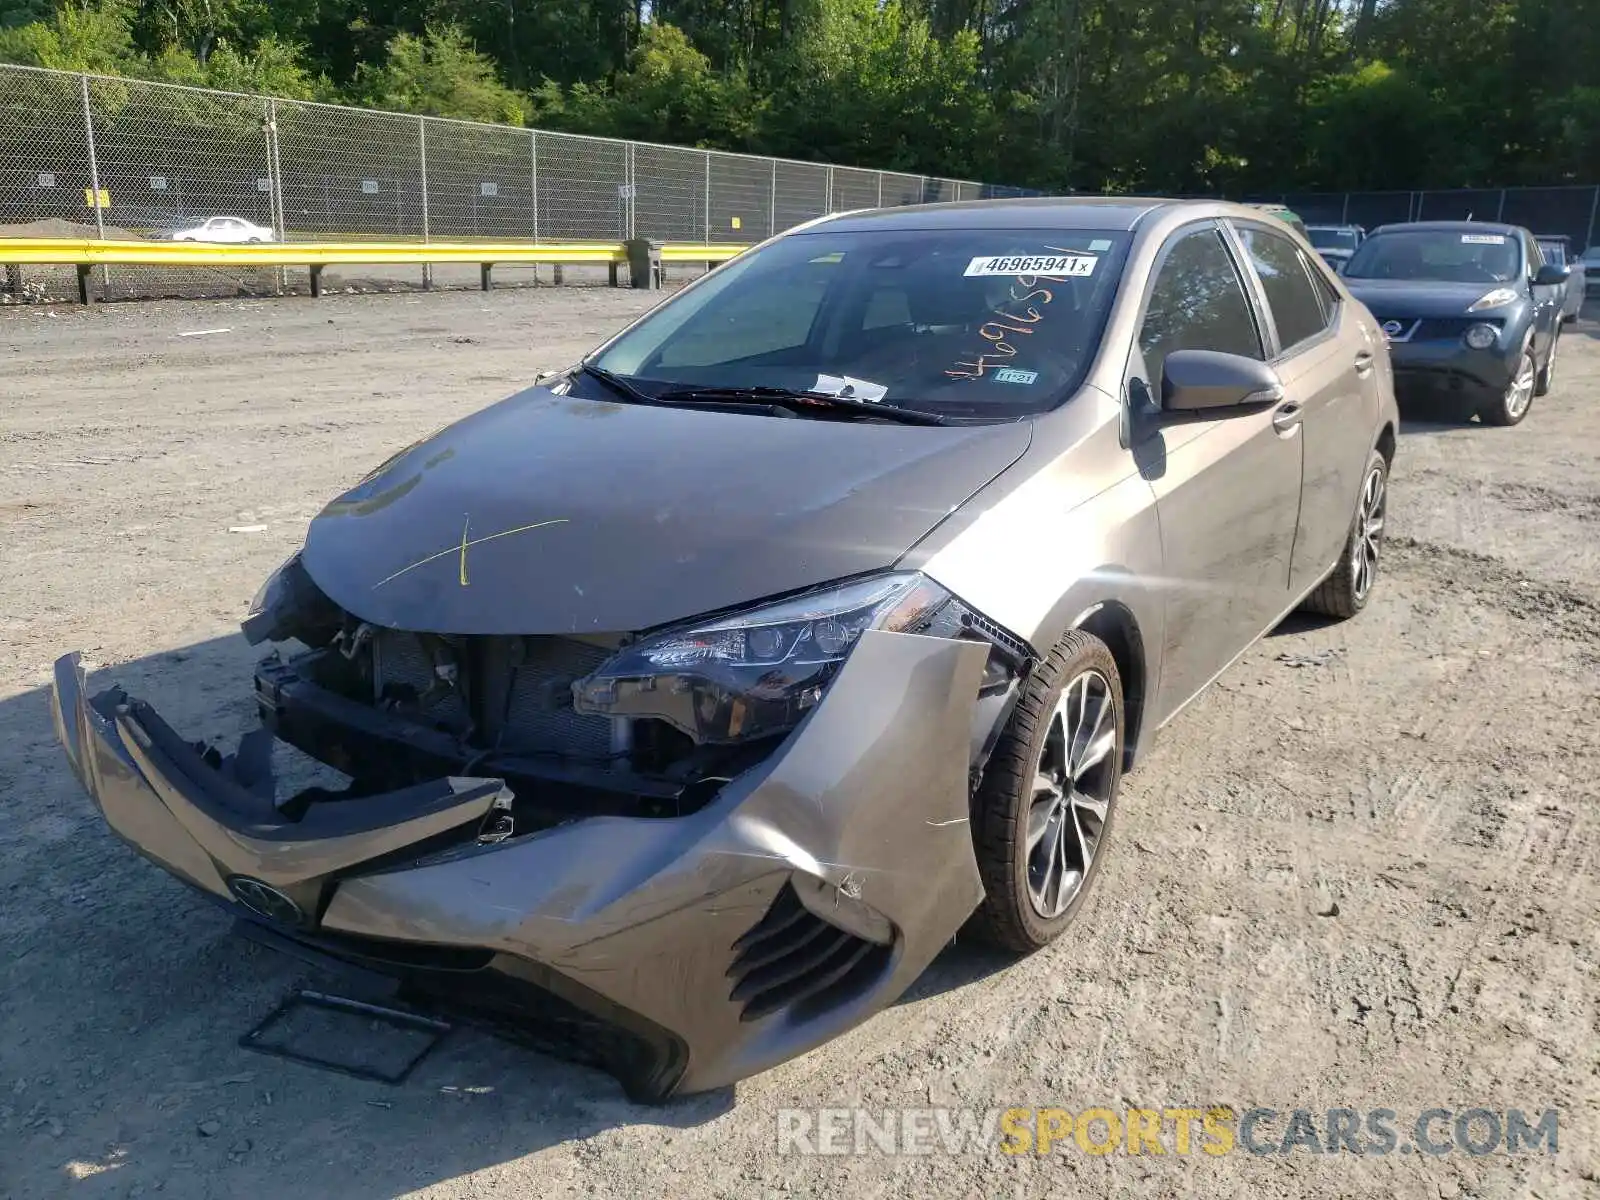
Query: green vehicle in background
1287	216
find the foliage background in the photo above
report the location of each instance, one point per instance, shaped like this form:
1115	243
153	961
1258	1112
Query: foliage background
1186	96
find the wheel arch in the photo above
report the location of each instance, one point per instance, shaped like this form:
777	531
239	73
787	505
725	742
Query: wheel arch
1386	442
1115	624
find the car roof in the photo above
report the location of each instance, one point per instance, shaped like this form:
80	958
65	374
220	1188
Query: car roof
1032	212
1451	227
1553	237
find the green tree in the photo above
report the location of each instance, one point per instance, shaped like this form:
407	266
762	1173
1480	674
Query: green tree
440	74
74	39
867	82
668	93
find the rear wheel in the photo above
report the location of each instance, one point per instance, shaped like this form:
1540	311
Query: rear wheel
1345	592
1043	812
1513	404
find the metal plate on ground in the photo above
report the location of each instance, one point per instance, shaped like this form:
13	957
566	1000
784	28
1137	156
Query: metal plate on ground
351	1037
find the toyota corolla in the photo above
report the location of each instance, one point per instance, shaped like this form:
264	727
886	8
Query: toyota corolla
692	700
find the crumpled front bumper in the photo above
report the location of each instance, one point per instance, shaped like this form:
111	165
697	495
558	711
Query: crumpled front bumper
807	895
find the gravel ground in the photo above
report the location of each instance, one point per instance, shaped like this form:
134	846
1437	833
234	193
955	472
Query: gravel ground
1428	770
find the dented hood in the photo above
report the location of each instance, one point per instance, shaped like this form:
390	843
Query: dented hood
549	514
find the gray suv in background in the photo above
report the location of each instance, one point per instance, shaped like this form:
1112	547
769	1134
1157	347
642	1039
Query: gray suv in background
1336	243
1471	310
1557	251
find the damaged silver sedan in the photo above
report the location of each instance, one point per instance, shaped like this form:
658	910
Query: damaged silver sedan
693	700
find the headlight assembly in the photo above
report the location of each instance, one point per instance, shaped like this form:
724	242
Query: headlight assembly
757	673
1495	299
289	605
1481	337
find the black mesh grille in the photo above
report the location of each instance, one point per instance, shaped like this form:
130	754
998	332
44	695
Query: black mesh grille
1438	329
793	959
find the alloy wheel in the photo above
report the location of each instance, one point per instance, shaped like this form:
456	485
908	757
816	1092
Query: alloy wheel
1369	531
1519	394
1072	789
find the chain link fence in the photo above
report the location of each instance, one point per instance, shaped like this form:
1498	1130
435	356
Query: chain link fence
90	156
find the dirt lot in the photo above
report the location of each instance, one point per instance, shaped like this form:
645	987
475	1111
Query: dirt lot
1431	767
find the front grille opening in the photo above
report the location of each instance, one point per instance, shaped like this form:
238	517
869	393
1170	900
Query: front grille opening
792	960
512	694
412	956
501	708
646	1060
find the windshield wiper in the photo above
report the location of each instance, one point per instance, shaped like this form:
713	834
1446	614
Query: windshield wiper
799	401
618	384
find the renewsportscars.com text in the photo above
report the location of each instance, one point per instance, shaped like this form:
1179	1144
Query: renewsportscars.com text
1214	1130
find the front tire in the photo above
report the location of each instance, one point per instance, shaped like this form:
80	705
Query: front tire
1547	376
1347	589
1513	404
1043	813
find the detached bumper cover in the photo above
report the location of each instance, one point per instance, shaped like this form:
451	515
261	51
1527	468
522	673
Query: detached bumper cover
801	900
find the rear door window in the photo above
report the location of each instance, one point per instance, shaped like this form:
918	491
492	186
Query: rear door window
1299	308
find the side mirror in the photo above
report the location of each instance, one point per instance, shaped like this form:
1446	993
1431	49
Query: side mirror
1550	275
1195	381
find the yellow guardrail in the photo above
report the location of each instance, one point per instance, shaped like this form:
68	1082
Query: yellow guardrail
84	254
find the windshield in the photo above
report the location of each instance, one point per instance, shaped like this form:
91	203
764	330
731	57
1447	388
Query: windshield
1332	239
961	322
1448	255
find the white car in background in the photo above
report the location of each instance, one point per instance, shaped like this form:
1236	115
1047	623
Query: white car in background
225	229
1591	270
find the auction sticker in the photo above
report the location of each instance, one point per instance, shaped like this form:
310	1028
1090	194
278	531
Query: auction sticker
1483	239
1034	264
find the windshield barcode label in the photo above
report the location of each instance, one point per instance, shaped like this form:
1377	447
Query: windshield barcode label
1068	265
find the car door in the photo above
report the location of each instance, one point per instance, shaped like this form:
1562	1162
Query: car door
1227	487
1326	363
1546	300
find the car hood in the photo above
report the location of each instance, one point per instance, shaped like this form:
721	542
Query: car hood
1418	297
549	514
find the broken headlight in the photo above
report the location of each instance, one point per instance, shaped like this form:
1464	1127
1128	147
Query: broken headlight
289	605
758	672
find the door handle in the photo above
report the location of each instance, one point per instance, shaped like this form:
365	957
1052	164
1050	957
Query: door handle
1287	418
1363	362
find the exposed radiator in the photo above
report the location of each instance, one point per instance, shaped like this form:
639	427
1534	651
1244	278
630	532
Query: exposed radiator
528	704
520	689
401	666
